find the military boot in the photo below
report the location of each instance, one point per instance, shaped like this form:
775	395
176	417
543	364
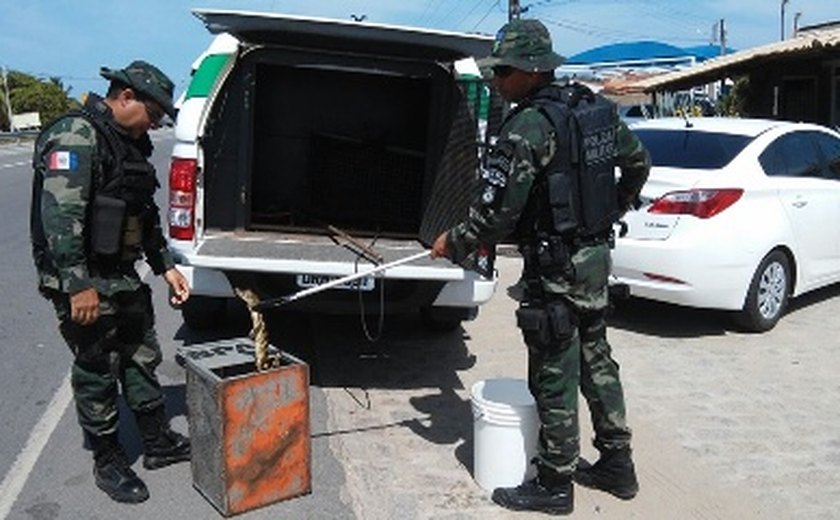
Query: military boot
613	472
161	445
112	472
549	493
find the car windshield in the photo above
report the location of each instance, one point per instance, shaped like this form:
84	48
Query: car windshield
687	148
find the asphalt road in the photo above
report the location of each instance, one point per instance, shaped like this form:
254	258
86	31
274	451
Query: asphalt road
33	368
46	472
726	424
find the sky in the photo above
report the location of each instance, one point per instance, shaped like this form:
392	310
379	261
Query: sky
73	39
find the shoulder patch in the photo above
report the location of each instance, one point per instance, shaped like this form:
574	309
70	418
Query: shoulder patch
63	160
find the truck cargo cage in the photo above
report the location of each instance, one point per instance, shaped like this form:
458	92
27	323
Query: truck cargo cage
364	185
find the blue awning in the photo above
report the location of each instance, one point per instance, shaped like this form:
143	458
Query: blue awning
642	51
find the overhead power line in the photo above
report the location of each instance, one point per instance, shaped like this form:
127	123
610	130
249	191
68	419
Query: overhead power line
496	4
679	21
470	13
614	34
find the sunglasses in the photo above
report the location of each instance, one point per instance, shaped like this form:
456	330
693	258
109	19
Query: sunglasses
154	113
502	71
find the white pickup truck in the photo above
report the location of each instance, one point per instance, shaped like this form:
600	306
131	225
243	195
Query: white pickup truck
292	127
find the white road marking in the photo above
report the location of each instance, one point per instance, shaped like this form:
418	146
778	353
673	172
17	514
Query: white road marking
13	484
13	165
17	476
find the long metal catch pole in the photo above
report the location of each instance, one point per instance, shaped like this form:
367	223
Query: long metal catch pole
267	304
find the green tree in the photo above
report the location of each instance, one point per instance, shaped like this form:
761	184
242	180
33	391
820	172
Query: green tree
21	80
29	94
735	102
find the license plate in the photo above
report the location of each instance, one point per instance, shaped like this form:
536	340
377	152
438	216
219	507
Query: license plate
314	280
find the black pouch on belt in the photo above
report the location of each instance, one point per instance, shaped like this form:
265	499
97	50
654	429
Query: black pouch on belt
533	322
107	225
560	319
544	326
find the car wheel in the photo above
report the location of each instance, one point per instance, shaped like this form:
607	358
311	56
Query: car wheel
203	312
768	295
446	319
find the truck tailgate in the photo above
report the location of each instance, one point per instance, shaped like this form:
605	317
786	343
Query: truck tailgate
294	253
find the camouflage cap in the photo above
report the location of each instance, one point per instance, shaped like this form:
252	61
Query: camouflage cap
524	44
146	79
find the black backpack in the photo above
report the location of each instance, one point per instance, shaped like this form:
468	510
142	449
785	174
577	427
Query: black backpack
580	183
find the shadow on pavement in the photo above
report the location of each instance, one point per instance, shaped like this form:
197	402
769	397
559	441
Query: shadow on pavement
404	355
673	321
450	421
407	356
667	320
813	298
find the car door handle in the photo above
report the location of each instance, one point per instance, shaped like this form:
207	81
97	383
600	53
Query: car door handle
800	203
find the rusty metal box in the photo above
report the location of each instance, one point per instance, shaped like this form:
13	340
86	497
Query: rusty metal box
250	430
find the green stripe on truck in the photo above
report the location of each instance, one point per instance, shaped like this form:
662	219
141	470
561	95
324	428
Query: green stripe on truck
205	75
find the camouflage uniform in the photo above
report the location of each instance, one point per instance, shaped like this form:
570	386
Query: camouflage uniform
526	145
74	158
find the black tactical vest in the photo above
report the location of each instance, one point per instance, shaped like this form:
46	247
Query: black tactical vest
121	172
576	197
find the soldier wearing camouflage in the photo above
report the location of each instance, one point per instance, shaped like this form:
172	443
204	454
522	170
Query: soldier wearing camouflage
522	62
92	217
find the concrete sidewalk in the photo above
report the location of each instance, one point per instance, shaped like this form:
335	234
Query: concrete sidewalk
400	421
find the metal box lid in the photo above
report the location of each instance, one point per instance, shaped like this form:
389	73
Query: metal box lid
212	357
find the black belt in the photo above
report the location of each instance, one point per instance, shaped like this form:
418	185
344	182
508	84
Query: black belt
580	242
576	243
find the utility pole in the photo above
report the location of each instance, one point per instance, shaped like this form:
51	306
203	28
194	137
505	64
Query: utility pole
722	40
796	23
8	97
514	10
784	3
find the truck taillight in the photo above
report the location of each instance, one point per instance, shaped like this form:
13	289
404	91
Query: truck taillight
182	174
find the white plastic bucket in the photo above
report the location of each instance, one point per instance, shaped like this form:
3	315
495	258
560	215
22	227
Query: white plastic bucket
505	432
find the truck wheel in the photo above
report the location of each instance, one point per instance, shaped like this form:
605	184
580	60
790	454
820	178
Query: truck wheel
768	295
446	319
203	312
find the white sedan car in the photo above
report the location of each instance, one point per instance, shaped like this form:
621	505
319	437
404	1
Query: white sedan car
738	214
